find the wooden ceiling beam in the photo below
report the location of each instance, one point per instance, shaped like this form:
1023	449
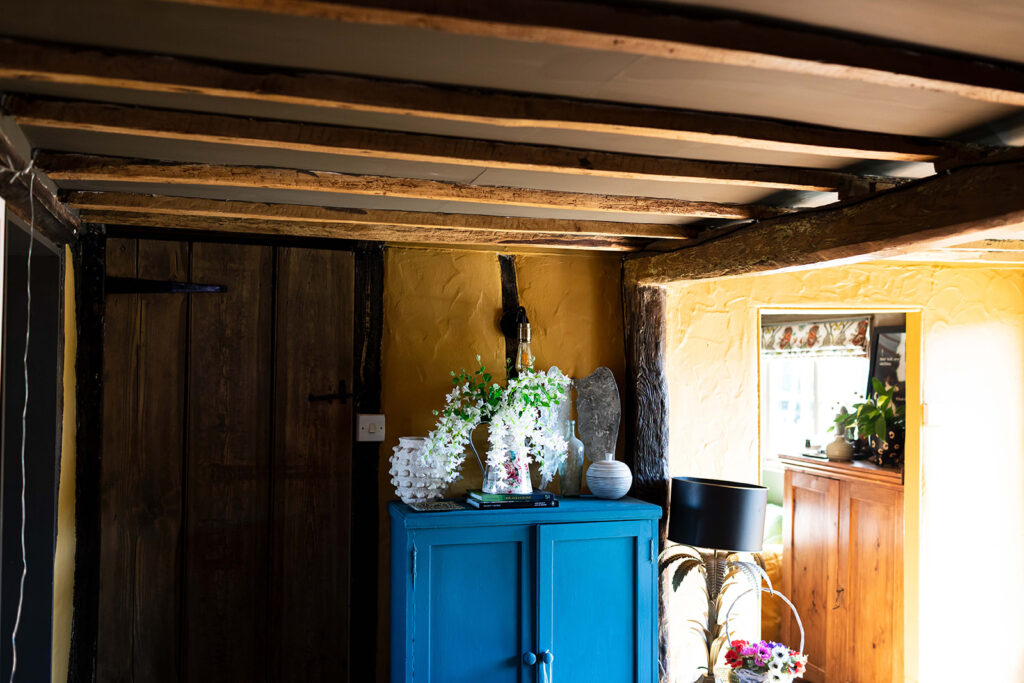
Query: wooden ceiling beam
84	168
350	231
21	191
983	201
379	144
676	32
135	204
60	64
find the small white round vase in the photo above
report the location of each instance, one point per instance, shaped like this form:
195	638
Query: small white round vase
609	479
414	480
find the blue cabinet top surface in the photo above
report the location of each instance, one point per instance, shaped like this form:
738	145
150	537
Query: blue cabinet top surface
582	509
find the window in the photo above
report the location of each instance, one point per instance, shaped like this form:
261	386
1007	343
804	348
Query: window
809	370
801	396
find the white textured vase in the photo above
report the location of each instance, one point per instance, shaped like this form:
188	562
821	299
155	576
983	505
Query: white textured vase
609	479
414	480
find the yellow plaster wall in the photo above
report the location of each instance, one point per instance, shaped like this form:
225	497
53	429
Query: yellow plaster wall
64	556
965	479
441	308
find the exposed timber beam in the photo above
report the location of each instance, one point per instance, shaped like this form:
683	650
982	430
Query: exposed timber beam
380	144
979	201
23	190
81	167
47	63
336	218
403	234
676	32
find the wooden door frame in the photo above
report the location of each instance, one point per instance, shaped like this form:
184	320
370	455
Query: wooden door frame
90	273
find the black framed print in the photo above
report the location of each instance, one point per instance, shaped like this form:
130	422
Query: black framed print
889	360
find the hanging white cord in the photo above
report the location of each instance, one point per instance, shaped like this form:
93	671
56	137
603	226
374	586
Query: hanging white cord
24	408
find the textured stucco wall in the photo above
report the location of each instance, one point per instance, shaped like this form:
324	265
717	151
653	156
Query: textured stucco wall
441	308
972	447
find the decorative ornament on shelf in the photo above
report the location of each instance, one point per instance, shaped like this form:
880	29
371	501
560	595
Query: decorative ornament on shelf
415	480
840	450
609	478
570	472
523	427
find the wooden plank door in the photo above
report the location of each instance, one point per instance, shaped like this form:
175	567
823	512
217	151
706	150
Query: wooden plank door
312	465
141	485
228	465
871	581
810	571
596	601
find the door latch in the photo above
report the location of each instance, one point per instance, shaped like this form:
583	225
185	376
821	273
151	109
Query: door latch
342	395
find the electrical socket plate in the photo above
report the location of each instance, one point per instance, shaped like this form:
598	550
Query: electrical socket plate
369	427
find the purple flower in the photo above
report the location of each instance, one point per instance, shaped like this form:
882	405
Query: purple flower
762	654
748	651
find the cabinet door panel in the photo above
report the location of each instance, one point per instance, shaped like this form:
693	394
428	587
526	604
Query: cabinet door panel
473	604
595	600
871	575
810	559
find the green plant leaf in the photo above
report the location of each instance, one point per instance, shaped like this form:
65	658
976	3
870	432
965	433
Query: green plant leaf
880	429
877	385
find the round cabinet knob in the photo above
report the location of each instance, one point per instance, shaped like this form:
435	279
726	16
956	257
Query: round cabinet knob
547	657
529	659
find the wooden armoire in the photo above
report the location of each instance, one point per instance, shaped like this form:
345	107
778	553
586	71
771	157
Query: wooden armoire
842	566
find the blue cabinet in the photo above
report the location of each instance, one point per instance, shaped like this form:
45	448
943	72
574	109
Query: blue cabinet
525	596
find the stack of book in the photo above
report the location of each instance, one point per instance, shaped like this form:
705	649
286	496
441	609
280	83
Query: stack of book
510	501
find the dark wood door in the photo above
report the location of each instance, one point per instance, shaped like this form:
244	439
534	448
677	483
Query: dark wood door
225	491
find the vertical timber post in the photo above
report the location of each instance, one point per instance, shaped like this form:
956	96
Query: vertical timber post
369	326
90	271
509	309
644	311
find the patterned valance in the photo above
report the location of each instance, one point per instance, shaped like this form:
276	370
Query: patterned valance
846	337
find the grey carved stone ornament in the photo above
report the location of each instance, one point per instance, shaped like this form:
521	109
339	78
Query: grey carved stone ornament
598	411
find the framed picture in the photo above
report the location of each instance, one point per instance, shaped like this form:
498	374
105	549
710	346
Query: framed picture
888	360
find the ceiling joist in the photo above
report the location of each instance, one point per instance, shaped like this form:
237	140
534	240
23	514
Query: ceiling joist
135	204
379	144
91	168
676	32
983	201
188	214
58	64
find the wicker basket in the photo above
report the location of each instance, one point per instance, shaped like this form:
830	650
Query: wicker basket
745	675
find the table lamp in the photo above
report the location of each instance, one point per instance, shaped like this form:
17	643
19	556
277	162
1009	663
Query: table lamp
713	519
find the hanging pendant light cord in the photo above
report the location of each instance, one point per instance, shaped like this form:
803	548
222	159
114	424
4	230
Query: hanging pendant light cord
24	408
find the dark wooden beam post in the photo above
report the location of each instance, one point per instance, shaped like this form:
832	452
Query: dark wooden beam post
90	271
644	312
369	330
509	309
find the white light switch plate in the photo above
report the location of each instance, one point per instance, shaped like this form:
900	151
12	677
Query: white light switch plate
369	427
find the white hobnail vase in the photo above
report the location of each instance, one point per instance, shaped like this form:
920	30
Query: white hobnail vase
609	478
415	481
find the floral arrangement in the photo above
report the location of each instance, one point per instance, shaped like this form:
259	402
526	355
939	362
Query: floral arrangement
522	416
765	660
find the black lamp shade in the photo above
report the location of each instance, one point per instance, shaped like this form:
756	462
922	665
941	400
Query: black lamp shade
716	514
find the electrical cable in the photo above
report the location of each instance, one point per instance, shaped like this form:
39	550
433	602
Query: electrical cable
24	408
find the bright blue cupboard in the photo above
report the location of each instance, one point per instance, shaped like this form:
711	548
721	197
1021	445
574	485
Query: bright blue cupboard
525	596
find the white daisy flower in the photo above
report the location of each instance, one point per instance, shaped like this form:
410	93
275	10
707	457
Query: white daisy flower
780	653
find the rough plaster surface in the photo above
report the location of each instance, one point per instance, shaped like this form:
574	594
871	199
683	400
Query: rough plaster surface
972	449
441	308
